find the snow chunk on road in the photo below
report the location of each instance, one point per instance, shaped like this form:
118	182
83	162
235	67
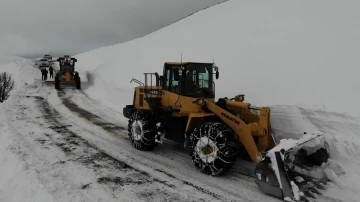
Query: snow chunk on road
331	175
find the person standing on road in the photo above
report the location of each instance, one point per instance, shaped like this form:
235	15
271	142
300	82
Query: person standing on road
42	74
45	73
51	70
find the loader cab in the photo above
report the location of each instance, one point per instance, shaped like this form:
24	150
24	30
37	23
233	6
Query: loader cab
67	63
189	79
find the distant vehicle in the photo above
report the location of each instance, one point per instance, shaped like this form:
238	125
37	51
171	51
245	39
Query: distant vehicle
44	63
49	57
67	73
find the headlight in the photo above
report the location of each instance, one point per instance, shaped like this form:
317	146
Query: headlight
240	98
199	101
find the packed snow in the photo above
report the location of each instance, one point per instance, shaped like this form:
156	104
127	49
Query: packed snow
73	146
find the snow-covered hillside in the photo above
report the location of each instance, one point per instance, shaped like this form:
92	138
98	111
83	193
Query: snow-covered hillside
274	52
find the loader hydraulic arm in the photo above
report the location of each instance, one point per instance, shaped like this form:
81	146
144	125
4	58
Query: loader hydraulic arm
259	123
245	131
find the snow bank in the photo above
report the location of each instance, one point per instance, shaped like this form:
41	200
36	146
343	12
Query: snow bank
341	133
20	69
309	142
17	182
274	52
5	59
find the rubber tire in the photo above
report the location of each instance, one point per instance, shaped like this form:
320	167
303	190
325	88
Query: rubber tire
221	135
147	141
78	82
76	75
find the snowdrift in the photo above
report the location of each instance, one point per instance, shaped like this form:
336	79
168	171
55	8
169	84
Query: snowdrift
342	134
17	182
20	69
6	59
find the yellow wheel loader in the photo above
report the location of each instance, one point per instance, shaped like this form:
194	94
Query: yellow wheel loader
180	106
67	74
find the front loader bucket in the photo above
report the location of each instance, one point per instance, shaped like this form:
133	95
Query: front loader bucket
295	169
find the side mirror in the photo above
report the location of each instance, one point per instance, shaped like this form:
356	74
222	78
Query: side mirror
161	80
240	98
216	68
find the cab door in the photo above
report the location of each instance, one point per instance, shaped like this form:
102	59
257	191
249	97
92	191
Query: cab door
172	86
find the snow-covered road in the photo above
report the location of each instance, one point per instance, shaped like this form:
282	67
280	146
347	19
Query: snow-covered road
77	151
65	146
69	167
170	160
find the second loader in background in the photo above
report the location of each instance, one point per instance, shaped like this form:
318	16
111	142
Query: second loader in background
67	74
180	106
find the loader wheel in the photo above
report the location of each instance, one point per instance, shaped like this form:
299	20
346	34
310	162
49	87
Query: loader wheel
78	82
213	148
76	75
142	130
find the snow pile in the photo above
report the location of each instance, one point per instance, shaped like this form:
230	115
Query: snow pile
310	143
20	69
311	140
341	135
17	182
292	144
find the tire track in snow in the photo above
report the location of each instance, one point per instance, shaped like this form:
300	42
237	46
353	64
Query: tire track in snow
112	175
219	191
90	155
112	128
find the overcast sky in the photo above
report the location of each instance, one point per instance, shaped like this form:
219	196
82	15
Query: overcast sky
36	27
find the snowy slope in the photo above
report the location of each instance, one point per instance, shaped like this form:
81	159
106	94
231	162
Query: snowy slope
274	52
